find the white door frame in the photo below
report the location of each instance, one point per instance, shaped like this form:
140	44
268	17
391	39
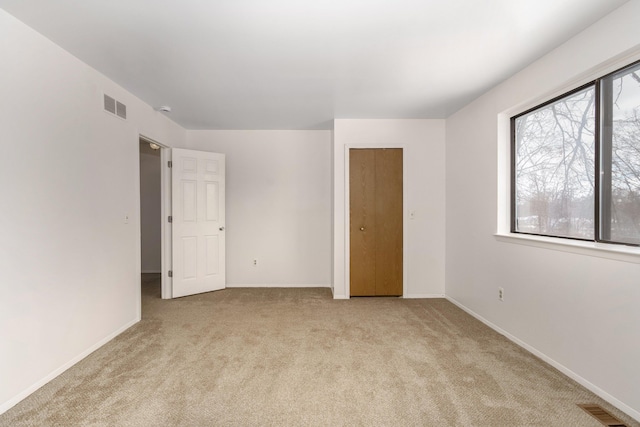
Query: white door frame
165	211
347	214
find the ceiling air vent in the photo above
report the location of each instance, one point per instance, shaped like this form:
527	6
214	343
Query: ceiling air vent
121	110
109	104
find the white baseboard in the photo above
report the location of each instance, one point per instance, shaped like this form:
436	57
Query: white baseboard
408	296
415	296
277	285
568	372
5	406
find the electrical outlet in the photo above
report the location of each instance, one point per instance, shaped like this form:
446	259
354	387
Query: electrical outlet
501	294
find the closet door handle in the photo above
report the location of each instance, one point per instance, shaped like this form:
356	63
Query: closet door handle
361	228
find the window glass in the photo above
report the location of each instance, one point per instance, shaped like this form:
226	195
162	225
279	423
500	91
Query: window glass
554	163
620	164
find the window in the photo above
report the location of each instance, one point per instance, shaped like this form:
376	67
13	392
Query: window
575	169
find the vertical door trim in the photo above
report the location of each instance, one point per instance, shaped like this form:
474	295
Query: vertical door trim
165	211
347	214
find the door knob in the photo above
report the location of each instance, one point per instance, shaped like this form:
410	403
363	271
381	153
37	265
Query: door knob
221	229
361	228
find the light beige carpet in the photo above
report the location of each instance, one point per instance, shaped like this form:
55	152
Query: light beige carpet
296	357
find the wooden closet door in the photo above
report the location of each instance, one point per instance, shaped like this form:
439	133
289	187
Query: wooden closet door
388	222
362	222
375	188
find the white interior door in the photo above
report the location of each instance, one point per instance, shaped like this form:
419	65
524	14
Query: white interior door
198	236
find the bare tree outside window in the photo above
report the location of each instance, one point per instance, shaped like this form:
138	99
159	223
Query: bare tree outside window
622	204
576	153
555	179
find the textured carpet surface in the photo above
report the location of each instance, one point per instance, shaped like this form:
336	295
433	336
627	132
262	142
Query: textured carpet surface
295	357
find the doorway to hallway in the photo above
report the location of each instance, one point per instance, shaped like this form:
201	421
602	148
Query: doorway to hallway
150	217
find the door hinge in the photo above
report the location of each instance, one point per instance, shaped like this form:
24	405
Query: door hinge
170	273
170	218
170	164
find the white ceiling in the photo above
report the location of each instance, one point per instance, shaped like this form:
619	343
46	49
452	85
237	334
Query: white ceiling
298	64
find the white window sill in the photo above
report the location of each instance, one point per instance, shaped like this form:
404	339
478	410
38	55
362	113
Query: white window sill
600	250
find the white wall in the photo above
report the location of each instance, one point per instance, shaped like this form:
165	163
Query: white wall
574	308
423	142
150	221
68	177
278	205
